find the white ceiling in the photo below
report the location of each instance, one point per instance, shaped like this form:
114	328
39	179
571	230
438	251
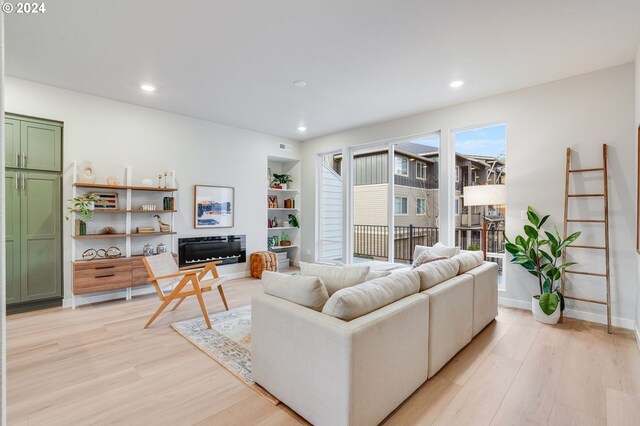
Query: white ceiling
234	61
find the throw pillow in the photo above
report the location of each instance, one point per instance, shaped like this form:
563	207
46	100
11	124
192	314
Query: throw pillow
305	291
445	251
468	260
353	302
336	277
425	257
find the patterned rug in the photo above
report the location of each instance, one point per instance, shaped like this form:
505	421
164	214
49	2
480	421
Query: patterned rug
228	342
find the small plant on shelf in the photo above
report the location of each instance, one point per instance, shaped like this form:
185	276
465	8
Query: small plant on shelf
293	221
281	180
84	206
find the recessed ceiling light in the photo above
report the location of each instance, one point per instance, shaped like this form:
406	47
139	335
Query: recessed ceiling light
148	87
456	83
302	128
299	83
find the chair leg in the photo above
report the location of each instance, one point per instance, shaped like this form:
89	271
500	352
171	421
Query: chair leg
177	304
205	314
224	300
158	312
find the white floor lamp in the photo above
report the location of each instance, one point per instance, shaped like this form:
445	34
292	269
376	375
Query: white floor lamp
484	195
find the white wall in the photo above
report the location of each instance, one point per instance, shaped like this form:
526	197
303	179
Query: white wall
114	135
582	112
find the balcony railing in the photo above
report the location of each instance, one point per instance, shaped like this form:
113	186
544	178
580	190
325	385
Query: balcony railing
372	241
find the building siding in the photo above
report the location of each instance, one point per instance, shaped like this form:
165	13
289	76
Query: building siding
331	238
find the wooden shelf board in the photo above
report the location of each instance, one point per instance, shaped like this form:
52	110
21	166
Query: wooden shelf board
140	234
135	188
282	209
132	211
283	227
284	190
284	247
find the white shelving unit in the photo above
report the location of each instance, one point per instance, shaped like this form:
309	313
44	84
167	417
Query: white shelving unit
126	193
281	214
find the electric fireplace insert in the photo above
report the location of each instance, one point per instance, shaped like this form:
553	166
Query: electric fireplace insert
225	249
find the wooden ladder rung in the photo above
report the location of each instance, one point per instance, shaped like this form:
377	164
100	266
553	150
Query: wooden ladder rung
585	195
586	300
587	247
594	274
586	220
598	169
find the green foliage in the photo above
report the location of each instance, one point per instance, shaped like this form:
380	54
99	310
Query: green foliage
84	205
539	252
293	221
279	179
473	247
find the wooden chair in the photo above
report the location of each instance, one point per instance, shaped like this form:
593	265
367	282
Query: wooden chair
188	281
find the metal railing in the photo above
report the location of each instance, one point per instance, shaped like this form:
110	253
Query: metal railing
372	241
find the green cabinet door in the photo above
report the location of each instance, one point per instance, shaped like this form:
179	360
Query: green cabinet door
12	216
41	146
41	260
12	142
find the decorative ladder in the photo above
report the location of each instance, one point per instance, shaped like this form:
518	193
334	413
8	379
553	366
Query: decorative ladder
605	221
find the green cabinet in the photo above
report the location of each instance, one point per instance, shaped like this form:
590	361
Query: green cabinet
33	144
33	210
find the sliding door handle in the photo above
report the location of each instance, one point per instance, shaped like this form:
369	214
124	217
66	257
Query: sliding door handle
17	159
16	179
24	160
24	182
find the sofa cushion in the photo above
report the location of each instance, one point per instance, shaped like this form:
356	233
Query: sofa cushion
306	291
434	273
353	302
372	275
468	260
335	277
425	257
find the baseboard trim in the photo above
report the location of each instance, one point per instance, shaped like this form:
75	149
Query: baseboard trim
135	291
574	313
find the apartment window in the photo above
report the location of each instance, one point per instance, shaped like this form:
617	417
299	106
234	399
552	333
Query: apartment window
421	171
402	166
457	204
401	206
421	206
457	173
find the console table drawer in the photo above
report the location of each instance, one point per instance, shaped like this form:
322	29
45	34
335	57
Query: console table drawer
102	276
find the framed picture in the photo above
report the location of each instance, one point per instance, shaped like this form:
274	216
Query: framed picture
213	206
110	201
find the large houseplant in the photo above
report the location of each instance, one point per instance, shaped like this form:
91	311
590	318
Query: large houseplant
539	252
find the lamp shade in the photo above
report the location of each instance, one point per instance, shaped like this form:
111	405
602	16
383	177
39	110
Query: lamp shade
484	195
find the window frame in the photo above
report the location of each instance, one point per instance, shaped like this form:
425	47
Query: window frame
406	205
395	168
421	165
418	205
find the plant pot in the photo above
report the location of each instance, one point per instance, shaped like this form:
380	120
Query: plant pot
540	316
283	185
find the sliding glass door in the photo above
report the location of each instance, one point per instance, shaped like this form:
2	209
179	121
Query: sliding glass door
415	195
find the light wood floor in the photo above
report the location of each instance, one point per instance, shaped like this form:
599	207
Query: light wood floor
96	365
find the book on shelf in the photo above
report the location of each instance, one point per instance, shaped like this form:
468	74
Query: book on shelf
168	203
145	229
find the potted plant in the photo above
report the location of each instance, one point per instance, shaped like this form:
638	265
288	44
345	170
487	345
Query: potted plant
539	252
281	180
83	205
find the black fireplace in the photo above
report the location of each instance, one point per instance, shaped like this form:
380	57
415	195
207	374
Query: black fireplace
226	249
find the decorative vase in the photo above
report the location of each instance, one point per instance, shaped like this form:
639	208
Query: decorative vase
83	228
161	248
147	182
540	316
283	185
147	250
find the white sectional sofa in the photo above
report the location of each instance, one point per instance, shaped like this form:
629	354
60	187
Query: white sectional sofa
348	353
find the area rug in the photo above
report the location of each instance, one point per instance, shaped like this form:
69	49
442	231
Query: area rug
228	342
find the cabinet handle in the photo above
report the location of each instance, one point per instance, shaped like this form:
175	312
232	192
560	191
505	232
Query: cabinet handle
105	276
24	183
17	159
24	160
16	179
105	267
